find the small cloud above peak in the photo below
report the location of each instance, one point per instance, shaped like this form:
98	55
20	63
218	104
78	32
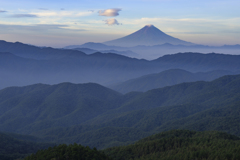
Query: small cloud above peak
109	12
111	22
2	11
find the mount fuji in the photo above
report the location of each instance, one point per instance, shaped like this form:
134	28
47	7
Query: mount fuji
149	36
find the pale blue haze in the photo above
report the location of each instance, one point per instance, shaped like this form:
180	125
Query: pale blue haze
59	23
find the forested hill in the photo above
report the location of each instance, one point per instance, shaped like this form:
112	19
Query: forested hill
12	148
50	106
181	145
170	145
69	152
93	115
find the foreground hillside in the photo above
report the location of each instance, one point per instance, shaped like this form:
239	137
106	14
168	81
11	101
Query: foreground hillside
70	152
11	147
96	116
170	145
181	145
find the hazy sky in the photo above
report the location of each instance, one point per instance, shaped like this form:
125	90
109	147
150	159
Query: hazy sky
59	23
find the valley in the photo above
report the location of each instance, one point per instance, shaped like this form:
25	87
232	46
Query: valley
106	101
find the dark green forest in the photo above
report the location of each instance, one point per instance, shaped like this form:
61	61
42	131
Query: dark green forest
181	145
170	145
68	152
13	147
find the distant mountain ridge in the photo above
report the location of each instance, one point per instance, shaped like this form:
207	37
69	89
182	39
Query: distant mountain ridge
100	46
167	78
34	65
90	45
148	35
23	64
33	52
127	53
156	51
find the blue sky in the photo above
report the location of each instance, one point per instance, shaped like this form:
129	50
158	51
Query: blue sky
59	23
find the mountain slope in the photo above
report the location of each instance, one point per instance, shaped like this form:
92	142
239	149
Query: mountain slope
41	106
166	78
215	106
224	118
159	106
194	92
148	35
200	62
99	117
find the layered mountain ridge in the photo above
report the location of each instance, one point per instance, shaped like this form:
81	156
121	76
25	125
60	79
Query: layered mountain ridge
167	78
23	65
94	115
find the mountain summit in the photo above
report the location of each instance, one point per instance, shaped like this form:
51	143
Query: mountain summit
148	35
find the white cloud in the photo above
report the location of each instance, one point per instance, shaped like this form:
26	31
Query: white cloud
109	12
36	29
111	22
61	13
